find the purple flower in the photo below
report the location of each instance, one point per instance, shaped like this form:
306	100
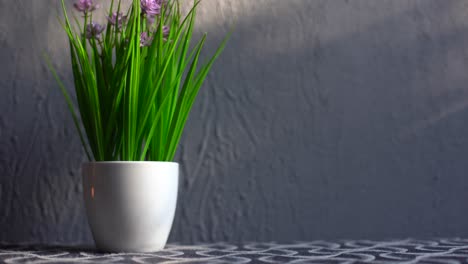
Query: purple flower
117	19
151	8
85	6
145	39
93	30
166	31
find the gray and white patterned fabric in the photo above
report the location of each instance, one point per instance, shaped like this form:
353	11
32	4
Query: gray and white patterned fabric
362	251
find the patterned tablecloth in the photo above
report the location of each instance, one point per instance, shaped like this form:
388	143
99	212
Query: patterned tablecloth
361	251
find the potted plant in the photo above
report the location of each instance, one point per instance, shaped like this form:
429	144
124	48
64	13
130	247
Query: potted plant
136	79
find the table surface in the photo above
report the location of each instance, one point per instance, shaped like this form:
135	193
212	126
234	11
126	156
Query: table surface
347	251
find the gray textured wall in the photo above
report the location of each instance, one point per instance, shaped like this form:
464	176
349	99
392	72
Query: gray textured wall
323	119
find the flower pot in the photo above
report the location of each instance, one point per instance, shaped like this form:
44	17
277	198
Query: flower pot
130	205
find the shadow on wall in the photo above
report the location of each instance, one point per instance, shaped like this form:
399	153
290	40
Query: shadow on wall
330	120
323	119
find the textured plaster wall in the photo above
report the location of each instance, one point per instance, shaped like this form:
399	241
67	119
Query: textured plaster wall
323	119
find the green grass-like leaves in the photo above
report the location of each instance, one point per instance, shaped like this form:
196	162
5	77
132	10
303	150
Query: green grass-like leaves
134	101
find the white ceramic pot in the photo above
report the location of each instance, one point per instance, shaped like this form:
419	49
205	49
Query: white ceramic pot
130	205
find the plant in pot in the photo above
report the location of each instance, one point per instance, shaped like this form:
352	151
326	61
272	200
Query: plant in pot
136	79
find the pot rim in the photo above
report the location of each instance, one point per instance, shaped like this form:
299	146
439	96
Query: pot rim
129	162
